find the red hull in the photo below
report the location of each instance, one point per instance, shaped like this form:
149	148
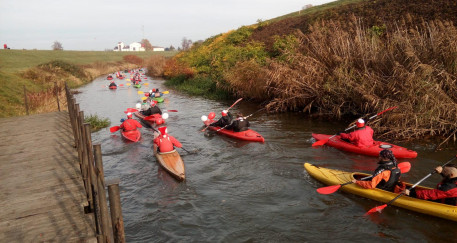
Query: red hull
337	142
133	136
248	135
150	121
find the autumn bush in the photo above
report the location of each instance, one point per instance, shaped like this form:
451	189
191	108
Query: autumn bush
133	59
155	66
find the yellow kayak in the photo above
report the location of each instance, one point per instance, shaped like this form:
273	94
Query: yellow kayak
334	177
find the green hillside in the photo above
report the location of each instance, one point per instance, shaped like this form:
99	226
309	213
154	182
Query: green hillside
339	60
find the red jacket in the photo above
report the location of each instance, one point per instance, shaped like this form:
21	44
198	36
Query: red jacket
436	194
166	143
362	137
130	125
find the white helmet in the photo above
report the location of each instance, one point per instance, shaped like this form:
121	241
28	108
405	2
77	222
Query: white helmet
165	115
204	118
150	91
138	106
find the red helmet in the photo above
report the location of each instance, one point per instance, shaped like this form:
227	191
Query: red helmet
360	123
163	130
129	115
211	115
153	90
224	112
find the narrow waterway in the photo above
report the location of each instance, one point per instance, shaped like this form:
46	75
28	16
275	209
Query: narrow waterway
246	191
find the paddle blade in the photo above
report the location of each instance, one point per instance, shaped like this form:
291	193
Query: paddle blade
328	189
377	209
404	167
165	92
130	110
143	98
320	142
146	84
121	85
172	110
140	92
114	129
128	84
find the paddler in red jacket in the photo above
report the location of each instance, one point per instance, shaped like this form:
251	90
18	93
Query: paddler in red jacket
446	190
386	176
130	124
165	142
361	137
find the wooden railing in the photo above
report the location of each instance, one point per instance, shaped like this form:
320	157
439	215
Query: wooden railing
109	227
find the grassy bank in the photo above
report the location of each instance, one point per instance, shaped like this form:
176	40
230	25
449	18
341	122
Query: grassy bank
342	60
40	71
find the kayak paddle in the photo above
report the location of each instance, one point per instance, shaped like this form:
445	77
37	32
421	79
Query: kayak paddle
380	208
114	129
324	141
403	166
238	100
140	92
130	110
144	97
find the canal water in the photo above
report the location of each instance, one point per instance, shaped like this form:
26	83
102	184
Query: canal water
246	191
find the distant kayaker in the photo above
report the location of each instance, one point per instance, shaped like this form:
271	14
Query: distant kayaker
224	121
386	176
361	137
130	124
153	109
446	190
240	124
112	84
164	142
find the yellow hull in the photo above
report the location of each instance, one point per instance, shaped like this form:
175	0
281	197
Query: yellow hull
334	177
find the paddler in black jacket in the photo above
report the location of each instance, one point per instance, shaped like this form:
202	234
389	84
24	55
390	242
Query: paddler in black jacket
225	121
240	124
154	109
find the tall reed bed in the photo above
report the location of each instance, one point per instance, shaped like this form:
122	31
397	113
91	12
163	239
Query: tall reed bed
348	69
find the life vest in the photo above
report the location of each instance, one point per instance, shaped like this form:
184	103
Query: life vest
130	125
165	144
395	174
446	186
240	125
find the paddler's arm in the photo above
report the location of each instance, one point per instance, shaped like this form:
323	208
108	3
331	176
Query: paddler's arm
375	181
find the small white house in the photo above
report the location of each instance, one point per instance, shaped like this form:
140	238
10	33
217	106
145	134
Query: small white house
135	46
157	48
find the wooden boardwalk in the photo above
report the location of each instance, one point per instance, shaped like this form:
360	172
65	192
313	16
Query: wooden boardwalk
42	196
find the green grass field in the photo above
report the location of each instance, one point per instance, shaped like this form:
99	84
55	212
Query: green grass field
15	62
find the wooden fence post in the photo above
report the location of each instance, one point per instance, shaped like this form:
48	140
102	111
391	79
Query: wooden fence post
57	95
104	213
26	103
116	213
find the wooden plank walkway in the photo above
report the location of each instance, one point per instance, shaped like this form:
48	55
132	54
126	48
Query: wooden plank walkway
42	195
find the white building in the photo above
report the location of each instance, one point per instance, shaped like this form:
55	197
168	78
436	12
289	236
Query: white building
158	48
135	46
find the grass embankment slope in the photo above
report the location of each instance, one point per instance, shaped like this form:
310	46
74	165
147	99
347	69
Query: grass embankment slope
340	60
39	70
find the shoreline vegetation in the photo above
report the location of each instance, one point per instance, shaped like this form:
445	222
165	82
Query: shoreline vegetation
349	59
43	74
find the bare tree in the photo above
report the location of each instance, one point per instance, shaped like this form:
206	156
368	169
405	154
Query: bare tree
57	46
186	44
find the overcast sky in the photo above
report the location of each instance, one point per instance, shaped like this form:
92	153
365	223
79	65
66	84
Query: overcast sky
100	24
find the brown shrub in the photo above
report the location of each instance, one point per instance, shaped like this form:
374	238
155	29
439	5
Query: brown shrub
155	65
133	59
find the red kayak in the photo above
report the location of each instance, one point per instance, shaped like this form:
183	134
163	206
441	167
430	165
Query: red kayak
133	136
120	77
152	119
337	142
113	87
109	78
248	135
